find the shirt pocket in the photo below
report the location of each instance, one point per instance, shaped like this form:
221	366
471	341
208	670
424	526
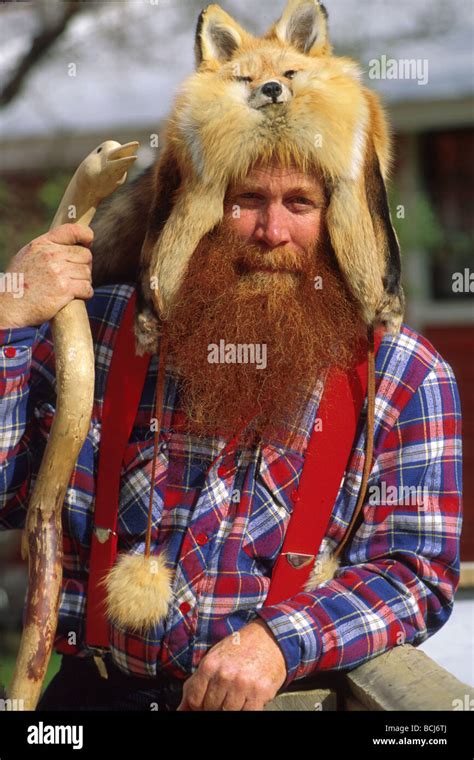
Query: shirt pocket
276	480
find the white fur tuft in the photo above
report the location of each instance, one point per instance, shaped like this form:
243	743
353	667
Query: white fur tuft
323	570
138	591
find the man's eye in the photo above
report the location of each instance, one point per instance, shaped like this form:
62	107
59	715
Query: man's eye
243	79
289	74
301	200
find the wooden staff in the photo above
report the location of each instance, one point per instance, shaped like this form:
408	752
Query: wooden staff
101	172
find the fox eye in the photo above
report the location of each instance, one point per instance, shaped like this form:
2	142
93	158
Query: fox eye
289	74
243	79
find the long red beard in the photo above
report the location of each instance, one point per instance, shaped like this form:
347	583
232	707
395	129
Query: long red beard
302	328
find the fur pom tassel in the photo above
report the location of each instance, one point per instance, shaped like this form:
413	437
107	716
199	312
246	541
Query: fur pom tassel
138	591
323	570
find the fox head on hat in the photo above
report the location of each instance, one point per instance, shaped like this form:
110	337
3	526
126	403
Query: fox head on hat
284	96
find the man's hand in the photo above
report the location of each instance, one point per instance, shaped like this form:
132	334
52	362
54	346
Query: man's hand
56	268
241	672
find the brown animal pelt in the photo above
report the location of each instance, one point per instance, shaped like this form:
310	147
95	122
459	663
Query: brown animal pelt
138	591
325	121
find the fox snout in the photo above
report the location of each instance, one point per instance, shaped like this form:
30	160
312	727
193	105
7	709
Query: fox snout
268	93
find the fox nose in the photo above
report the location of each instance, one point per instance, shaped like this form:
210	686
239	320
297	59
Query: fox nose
272	89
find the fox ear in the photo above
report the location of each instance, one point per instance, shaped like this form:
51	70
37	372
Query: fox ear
218	36
304	25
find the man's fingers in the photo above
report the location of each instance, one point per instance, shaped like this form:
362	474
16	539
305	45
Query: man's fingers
217	691
79	272
83	290
78	254
234	700
253	705
194	690
70	234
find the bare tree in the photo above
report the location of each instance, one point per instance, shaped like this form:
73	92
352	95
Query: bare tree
50	27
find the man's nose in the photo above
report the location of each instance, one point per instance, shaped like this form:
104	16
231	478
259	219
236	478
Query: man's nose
272	228
272	89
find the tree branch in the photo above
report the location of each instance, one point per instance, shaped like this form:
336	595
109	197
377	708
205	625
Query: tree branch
40	45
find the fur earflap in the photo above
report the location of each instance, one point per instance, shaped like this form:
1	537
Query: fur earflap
138	591
323	120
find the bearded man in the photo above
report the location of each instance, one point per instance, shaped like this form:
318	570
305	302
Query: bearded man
266	277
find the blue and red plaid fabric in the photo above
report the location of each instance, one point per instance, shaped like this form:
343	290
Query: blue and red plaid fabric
222	523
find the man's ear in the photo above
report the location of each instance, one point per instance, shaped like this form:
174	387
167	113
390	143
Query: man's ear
365	243
218	36
304	25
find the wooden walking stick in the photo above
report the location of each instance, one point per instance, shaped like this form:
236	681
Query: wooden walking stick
101	172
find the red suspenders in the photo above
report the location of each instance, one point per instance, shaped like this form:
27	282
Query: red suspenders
325	461
125	382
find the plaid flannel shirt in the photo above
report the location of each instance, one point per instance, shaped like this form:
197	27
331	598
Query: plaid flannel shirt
223	523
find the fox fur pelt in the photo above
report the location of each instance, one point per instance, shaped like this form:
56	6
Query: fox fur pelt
319	116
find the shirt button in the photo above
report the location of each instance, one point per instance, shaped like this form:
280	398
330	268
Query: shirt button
202	539
295	496
10	352
185	607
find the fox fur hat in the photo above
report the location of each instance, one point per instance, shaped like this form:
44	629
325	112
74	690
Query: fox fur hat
284	96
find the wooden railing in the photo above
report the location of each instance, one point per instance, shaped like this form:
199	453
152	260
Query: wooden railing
404	678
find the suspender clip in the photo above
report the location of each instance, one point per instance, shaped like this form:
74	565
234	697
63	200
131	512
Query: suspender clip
103	534
298	560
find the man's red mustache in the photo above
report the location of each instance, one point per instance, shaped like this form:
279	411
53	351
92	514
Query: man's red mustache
273	271
280	259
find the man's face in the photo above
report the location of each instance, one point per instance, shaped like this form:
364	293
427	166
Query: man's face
267	278
275	206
